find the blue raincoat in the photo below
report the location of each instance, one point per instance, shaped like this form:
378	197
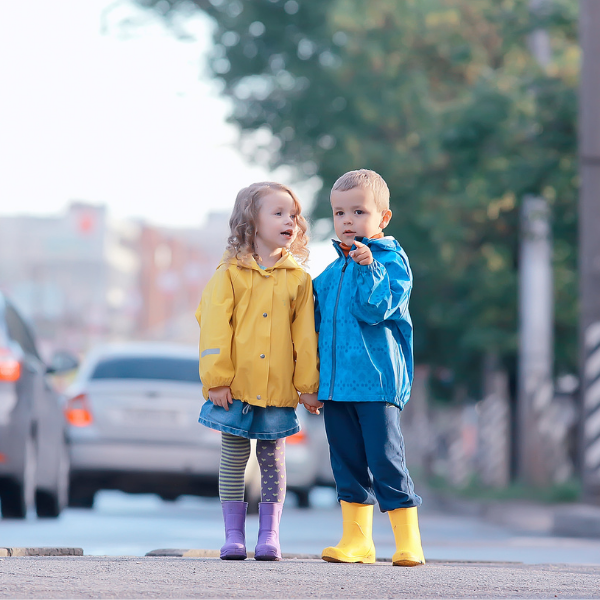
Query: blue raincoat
365	330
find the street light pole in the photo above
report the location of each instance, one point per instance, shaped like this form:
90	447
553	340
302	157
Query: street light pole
589	247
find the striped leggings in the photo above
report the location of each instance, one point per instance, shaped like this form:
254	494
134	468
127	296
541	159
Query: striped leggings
235	452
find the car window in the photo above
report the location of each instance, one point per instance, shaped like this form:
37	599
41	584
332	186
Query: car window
167	368
19	332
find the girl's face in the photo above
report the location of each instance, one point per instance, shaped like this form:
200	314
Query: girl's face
276	224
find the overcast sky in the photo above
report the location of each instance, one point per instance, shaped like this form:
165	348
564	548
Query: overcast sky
109	107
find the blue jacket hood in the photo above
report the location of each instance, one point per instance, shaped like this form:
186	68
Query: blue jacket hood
365	330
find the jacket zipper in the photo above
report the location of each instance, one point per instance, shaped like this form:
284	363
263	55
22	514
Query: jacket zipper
333	335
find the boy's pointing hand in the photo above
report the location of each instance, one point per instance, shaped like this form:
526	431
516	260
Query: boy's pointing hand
362	255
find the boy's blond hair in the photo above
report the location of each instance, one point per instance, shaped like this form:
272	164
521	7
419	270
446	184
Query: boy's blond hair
366	179
242	223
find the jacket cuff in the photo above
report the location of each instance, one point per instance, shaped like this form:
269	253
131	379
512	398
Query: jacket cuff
313	389
371	268
217	383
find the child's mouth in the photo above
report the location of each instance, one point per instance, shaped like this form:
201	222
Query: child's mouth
288	234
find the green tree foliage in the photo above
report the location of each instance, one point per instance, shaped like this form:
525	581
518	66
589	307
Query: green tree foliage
443	98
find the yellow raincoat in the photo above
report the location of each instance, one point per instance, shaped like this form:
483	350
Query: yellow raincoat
257	332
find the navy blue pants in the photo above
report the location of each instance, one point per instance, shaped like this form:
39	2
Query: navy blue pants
367	454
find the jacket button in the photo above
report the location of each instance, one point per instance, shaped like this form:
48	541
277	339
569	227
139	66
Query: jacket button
262	355
258	397
264	314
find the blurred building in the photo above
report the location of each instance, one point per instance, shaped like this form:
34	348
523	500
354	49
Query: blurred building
175	266
82	278
54	269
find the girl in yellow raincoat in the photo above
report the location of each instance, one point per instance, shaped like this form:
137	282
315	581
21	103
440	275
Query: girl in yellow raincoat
258	351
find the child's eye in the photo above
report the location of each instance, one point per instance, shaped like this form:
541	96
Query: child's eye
278	212
358	212
339	213
294	216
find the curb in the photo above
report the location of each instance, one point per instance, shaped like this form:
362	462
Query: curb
41	551
196	553
579	520
564	520
199	553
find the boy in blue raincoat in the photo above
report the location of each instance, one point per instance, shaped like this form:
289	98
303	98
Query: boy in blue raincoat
366	358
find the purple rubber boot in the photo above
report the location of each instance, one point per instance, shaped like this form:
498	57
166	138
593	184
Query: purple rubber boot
269	515
234	515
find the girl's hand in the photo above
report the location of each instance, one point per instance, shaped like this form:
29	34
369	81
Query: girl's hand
311	403
221	396
362	255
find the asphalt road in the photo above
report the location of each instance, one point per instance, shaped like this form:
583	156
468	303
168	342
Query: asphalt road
125	525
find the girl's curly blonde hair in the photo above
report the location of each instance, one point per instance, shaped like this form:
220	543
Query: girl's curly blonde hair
242	223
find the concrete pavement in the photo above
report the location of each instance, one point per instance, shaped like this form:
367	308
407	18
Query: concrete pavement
189	573
153	577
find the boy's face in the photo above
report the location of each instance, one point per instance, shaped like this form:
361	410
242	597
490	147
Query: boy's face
356	214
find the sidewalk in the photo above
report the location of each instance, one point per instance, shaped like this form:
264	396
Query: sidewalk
564	520
134	577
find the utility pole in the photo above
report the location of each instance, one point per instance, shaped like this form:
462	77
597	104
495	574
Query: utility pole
536	344
536	318
589	248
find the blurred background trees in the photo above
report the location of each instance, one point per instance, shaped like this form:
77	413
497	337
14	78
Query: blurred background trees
445	101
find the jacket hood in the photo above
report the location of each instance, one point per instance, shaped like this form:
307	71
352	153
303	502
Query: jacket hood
388	243
287	261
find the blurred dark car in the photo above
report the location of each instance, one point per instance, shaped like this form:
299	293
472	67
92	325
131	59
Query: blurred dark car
34	458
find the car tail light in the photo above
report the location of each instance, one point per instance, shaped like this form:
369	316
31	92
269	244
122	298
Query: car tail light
297	438
77	411
10	367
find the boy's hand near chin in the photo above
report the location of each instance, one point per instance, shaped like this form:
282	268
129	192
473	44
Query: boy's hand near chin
362	255
311	403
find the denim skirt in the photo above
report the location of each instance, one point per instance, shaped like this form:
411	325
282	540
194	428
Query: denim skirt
252	422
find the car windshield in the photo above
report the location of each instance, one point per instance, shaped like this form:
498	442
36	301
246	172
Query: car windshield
148	367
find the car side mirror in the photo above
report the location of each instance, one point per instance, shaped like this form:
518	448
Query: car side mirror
62	361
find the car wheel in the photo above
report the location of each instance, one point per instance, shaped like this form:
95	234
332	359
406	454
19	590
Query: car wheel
13	501
18	495
80	497
252	497
48	505
169	497
303	497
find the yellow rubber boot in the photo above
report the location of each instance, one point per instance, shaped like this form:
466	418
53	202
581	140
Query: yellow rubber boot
405	523
356	545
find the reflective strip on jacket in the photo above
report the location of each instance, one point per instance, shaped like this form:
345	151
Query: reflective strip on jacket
257	332
365	330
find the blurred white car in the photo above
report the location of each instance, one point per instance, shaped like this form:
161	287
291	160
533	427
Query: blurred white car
132	416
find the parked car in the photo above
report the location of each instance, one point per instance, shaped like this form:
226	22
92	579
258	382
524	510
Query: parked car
307	458
132	416
34	459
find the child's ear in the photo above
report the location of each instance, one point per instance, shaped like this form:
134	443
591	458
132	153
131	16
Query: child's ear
386	215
